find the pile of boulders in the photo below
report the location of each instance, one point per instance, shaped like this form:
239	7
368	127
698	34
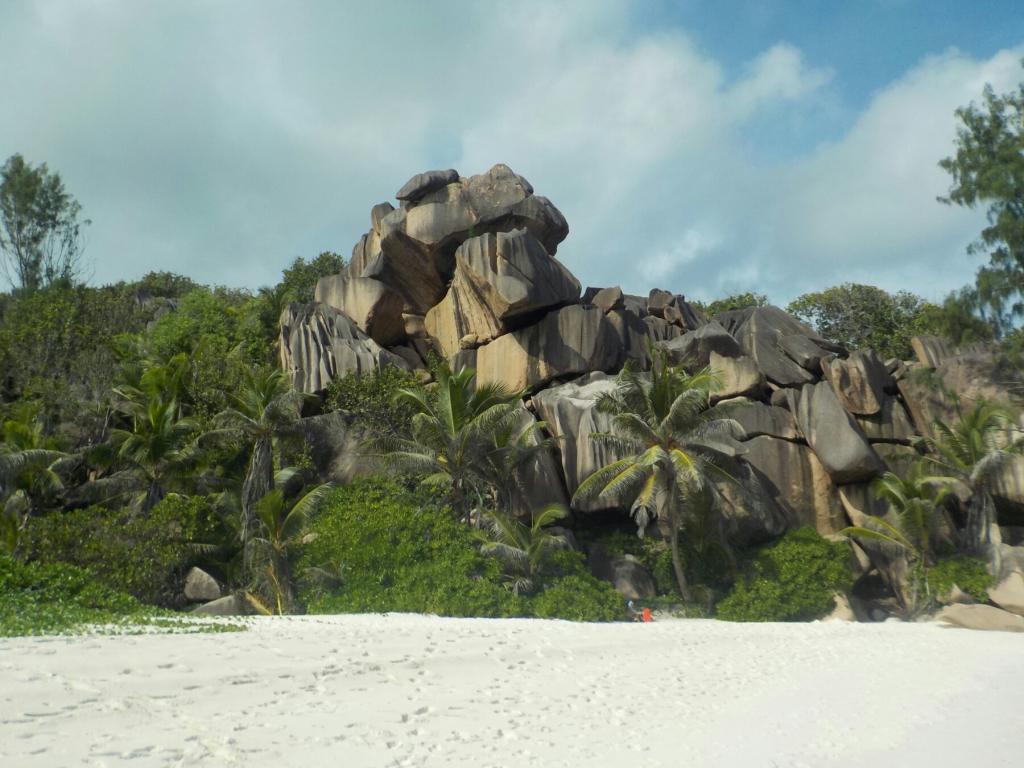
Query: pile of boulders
465	268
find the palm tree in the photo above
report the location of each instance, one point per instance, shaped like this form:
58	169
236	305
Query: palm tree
972	452
157	446
909	527
452	426
514	440
29	462
523	549
265	407
282	528
660	422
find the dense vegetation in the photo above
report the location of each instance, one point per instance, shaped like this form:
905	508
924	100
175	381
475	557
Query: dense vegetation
146	430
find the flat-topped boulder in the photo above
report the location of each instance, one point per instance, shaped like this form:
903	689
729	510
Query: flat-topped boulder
369	303
568	342
500	279
318	344
424	183
735	377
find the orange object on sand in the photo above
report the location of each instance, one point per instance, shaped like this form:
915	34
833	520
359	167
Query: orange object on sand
647	616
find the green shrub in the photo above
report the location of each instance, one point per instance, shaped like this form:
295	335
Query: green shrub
793	579
968	573
38	598
145	556
369	399
579	597
397	549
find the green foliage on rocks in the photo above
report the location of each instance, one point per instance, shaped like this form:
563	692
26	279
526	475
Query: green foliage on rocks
371	399
792	579
967	572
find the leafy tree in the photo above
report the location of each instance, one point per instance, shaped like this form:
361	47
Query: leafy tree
299	279
450	434
371	399
736	301
523	549
972	452
988	170
28	462
660	421
858	316
39	227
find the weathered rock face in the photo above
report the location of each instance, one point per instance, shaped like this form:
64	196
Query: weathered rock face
624	572
1008	594
751	510
736	377
798	482
890	425
758	419
571	418
833	435
538	482
1008	492
693	349
760	332
985	617
370	304
499	279
568	342
319	343
861	381
414	252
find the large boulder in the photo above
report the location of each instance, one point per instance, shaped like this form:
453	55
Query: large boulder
229	605
569	412
624	572
861	381
736	377
538	482
752	512
798	482
759	419
500	279
319	344
891	424
833	435
1008	594
565	343
985	617
693	349
201	587
760	332
1008	492
411	249
374	307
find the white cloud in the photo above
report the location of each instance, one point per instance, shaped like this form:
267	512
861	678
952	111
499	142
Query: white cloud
220	141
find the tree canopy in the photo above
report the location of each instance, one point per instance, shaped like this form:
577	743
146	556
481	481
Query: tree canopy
40	229
988	170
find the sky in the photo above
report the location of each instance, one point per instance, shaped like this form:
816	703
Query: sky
776	146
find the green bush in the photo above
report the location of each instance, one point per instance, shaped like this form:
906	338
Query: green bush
793	579
369	399
145	556
397	549
968	573
579	597
38	598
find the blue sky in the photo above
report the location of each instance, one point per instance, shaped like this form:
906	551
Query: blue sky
705	147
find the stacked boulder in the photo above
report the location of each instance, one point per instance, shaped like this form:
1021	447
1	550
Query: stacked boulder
465	268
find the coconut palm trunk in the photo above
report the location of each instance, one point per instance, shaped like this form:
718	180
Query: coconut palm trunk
259	480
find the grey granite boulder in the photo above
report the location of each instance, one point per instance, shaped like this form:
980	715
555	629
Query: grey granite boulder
568	342
693	349
424	183
861	381
201	587
833	435
501	279
318	344
624	572
374	307
736	377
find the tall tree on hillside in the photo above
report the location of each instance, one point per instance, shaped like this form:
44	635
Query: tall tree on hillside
988	169
40	229
660	421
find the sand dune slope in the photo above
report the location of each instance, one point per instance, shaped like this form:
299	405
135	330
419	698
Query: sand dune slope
421	691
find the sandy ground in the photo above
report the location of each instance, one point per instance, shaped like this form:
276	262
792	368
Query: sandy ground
405	690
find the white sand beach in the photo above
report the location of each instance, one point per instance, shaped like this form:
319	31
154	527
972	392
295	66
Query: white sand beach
407	690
